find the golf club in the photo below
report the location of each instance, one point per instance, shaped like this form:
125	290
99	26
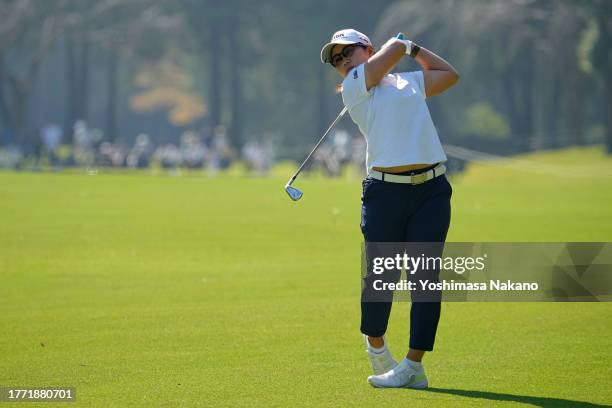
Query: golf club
293	192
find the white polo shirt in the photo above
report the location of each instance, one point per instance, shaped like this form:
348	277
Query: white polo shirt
394	119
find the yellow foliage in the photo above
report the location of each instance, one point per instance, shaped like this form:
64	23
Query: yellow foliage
165	72
183	106
167	86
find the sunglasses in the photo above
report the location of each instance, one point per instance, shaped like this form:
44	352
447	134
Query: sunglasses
346	52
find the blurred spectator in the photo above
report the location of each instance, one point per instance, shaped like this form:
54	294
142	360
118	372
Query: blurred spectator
51	136
139	156
169	156
358	153
221	152
10	156
342	145
192	150
258	156
84	154
110	154
334	153
327	160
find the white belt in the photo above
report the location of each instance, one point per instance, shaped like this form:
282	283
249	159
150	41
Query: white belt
414	179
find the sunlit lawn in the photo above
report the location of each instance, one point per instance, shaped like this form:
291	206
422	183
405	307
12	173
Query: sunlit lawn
152	290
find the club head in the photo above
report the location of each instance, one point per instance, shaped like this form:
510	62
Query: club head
293	192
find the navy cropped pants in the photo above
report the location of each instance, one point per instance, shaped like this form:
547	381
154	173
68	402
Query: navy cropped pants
396	212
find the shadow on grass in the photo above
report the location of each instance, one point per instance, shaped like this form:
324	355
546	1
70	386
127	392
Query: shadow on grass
536	401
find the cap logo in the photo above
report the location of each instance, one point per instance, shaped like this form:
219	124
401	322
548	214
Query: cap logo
338	35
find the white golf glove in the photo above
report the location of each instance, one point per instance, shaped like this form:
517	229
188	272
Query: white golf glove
391	40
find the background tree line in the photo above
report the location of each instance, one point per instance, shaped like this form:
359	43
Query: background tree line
535	73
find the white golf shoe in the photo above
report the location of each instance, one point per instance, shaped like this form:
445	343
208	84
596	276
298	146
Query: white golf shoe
402	376
381	361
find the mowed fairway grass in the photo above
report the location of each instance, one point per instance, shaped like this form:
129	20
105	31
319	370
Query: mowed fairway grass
160	291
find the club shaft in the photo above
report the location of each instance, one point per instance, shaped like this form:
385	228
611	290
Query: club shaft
342	112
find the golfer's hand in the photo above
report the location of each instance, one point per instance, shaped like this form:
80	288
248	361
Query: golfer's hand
392	40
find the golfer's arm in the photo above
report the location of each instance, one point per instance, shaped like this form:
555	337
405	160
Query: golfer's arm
381	63
438	74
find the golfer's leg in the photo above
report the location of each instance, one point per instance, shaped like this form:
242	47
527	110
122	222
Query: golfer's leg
375	303
429	223
382	220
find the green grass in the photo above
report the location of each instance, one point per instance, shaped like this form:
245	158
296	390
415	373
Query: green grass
193	291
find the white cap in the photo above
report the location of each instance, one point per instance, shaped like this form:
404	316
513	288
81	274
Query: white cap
348	36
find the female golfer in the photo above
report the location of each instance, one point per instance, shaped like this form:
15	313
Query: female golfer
406	196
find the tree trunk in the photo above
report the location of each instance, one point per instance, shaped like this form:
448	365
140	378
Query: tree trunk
214	82
236	101
5	113
552	130
111	102
322	94
19	94
527	97
15	106
71	103
574	94
575	106
513	110
519	93
605	67
83	80
609	115
508	93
